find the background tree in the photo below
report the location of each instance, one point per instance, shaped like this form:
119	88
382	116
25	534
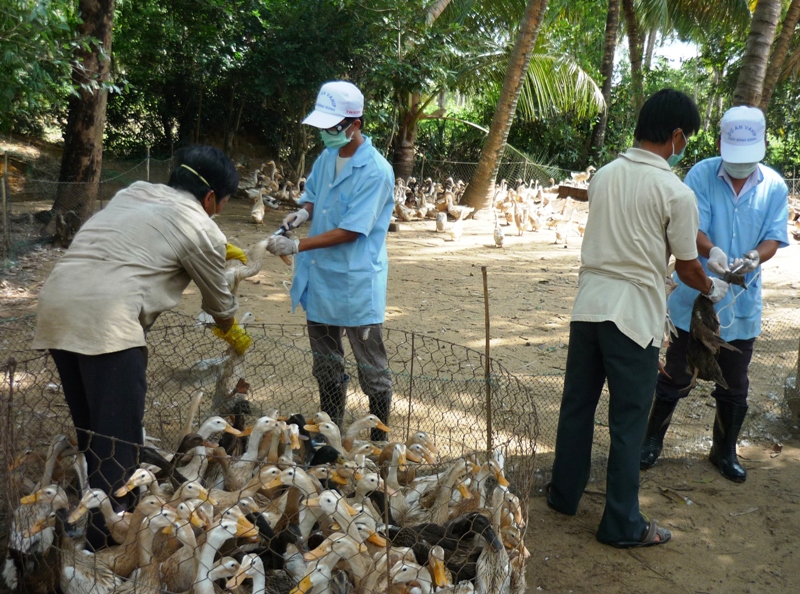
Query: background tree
82	157
607	73
779	53
477	193
756	55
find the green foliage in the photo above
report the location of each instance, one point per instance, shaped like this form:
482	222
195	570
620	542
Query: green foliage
37	38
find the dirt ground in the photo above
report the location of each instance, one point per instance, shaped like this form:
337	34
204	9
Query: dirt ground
731	538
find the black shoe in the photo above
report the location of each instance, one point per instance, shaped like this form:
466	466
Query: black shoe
657	425
727	424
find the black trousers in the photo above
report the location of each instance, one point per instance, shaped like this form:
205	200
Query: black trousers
599	351
106	395
734	368
373	367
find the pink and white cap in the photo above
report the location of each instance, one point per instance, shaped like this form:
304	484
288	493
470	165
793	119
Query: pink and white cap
336	101
742	133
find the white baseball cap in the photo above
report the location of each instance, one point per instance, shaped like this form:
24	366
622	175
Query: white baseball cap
336	101
742	135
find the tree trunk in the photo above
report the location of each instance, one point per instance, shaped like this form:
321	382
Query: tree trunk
779	53
635	50
82	159
607	72
756	53
436	10
651	46
403	160
481	186
712	97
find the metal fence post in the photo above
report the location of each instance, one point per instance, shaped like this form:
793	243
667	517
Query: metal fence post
488	363
147	164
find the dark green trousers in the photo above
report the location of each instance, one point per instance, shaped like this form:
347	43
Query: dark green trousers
600	351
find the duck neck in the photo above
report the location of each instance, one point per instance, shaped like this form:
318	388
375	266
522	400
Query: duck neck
259	577
111	518
253	444
203	583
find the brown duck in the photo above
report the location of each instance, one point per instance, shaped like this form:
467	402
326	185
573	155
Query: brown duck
704	344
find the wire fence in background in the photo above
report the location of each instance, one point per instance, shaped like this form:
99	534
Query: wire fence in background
27	200
511	171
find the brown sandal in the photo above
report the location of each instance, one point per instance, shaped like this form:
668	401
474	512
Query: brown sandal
648	537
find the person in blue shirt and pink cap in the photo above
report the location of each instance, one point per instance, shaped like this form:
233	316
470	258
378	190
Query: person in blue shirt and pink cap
342	266
743	214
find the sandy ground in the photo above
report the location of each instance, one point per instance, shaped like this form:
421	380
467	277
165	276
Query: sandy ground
731	538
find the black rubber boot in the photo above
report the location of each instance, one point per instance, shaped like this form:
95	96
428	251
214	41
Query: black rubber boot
379	405
333	397
657	425
727	425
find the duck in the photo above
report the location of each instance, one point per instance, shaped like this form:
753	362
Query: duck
441	221
148	576
442	494
222	500
220	533
330	431
236	270
456	229
241	471
253	567
582	177
257	210
493	572
118	523
368	422
499	234
345	548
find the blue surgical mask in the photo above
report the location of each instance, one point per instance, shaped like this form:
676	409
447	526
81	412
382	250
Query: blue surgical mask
675	158
739	170
335	140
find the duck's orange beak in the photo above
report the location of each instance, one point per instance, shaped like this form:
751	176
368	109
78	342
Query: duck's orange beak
382	427
377	539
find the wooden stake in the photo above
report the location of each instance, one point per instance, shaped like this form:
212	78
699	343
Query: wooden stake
6	242
487	370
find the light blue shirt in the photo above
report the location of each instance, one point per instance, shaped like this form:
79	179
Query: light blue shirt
735	226
345	285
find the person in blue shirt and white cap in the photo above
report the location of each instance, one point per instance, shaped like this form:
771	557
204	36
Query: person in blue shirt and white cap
743	214
342	266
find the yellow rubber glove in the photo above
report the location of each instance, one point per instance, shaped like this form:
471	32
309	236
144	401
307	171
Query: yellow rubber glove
237	337
232	252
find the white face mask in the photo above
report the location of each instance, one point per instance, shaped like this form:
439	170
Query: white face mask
739	170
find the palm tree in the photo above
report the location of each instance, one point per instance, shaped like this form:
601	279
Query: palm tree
607	72
756	55
477	193
779	53
635	51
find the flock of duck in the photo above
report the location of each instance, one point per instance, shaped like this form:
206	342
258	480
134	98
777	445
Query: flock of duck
285	506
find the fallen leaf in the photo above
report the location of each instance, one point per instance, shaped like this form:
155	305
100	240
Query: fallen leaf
776	450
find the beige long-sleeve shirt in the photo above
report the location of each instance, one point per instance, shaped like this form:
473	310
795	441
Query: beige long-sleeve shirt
128	263
640	212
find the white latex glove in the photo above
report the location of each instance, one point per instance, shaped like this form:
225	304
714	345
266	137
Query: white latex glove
719	288
718	261
280	245
749	262
294	220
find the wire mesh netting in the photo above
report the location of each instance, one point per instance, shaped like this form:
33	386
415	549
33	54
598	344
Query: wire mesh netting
511	171
22	224
442	501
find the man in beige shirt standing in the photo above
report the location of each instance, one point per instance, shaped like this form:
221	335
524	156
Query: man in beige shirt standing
639	214
130	262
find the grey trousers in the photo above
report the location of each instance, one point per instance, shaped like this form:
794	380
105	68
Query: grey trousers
369	351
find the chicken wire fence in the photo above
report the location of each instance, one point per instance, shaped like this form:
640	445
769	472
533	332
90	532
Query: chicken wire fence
511	171
27	200
465	429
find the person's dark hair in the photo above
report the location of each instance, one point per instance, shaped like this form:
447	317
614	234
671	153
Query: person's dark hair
665	112
210	164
